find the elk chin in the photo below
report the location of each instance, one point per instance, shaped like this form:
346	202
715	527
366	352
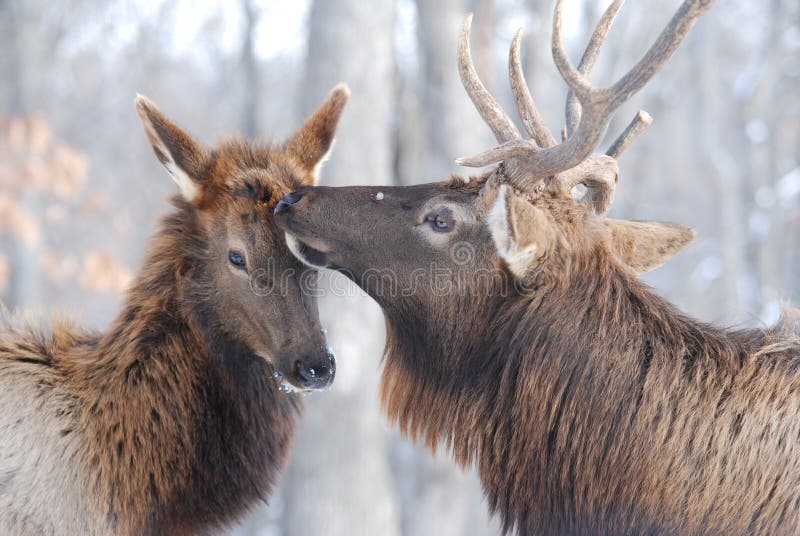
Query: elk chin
280	376
283	377
308	254
284	385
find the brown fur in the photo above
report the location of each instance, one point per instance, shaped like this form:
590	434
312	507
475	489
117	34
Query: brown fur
588	404
170	422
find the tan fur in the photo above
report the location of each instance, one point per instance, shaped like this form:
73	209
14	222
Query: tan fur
170	422
646	245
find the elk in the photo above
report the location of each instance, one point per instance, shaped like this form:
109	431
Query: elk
520	338
177	419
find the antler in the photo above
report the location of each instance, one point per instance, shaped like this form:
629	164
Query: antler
491	112
531	118
588	112
573	107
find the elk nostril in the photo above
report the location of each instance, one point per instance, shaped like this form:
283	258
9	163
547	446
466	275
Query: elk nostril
320	372
281	207
316	376
287	201
292	198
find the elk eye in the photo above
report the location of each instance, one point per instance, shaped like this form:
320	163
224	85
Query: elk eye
441	221
236	258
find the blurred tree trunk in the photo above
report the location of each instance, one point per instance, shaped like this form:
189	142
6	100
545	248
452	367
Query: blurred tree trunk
11	56
452	125
727	178
437	124
769	155
251	87
11	107
18	25
339	481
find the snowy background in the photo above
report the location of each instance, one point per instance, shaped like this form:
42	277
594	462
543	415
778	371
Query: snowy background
80	189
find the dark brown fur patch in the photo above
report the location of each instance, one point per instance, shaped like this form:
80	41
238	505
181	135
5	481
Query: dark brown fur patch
594	407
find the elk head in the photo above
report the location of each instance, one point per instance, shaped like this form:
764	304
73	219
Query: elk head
242	279
513	232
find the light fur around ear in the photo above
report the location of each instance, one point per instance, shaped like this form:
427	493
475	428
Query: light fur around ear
183	157
312	143
522	232
645	245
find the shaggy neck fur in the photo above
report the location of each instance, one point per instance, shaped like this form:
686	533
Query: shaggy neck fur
185	428
595	407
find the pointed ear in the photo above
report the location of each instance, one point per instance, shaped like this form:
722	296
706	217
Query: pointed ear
522	232
645	245
184	158
313	142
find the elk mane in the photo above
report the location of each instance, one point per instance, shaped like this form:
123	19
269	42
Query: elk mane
557	389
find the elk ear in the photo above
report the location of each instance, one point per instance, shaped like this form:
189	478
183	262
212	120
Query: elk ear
522	232
645	245
311	144
184	158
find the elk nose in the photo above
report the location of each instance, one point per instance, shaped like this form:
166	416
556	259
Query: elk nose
316	375
287	201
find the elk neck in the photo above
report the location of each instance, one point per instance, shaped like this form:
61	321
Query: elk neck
549	383
195	413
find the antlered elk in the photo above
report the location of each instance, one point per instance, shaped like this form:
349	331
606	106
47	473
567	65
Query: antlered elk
520	337
176	419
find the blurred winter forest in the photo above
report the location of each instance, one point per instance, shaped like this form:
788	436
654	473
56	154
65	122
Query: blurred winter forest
80	189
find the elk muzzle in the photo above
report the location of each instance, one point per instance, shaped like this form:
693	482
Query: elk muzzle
293	213
287	201
316	374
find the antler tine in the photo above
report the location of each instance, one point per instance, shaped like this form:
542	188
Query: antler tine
531	118
641	121
491	112
573	107
508	150
680	24
545	162
599	173
530	164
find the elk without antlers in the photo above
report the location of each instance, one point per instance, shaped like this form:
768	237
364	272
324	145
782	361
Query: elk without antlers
531	164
